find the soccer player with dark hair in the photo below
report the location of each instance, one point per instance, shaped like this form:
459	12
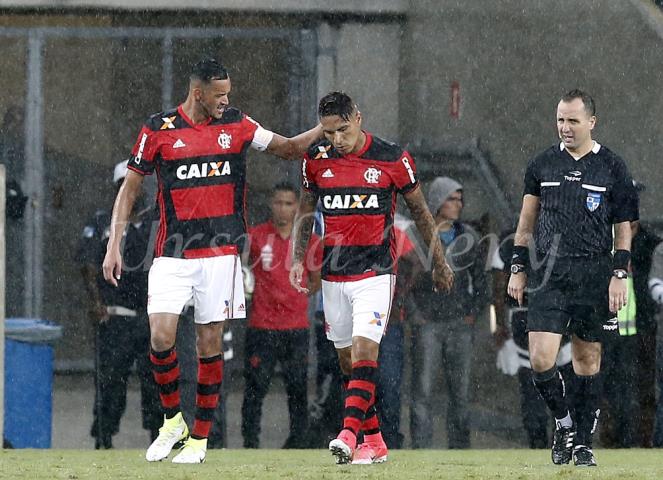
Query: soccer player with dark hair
576	193
198	151
357	176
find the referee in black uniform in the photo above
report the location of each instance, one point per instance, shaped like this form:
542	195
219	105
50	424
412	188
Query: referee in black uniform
577	205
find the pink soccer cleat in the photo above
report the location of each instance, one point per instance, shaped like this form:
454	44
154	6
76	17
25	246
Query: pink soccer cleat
369	453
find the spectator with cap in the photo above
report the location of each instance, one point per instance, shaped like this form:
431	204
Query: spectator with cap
445	340
119	317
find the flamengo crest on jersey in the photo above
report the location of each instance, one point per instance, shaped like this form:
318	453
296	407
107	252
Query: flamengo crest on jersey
225	140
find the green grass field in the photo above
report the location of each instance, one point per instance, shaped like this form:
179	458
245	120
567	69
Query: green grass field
318	464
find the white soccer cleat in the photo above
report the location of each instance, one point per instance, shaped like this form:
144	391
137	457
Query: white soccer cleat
193	451
173	430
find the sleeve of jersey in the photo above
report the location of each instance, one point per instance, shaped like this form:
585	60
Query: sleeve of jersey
405	174
308	178
260	137
142	155
625	198
532	184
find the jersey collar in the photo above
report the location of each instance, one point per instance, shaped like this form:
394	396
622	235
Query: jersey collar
367	144
595	149
180	110
275	231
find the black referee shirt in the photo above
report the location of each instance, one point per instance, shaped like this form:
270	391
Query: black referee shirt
580	200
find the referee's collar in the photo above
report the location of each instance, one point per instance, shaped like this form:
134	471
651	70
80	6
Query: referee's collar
595	148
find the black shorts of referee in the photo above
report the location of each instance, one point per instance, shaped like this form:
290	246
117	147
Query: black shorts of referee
569	295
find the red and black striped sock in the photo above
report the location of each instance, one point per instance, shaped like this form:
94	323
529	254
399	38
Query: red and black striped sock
166	372
210	375
371	425
360	391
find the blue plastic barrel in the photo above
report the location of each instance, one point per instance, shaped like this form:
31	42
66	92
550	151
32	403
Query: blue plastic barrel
29	381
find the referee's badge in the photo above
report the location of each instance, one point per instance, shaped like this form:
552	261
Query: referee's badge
593	201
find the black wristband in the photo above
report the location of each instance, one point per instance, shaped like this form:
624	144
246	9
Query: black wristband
520	255
620	260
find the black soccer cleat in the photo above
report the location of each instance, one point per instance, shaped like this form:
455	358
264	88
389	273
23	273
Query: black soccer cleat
583	456
562	447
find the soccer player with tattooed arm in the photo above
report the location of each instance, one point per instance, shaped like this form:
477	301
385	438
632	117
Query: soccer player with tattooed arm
198	151
356	176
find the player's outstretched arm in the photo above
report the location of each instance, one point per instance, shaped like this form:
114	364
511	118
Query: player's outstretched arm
124	202
443	276
295	147
300	238
524	232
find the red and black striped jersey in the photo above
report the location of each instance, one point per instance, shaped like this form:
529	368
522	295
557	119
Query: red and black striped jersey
201	173
357	195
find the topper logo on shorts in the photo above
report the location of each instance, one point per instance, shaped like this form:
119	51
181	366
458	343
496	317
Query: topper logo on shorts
207	169
378	319
333	202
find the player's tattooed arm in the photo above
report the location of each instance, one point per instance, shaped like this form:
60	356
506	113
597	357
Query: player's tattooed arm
300	238
442	273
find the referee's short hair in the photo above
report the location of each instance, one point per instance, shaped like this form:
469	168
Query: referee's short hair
336	103
207	70
586	98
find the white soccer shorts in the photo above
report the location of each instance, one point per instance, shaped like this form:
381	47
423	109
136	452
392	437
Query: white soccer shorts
357	309
215	284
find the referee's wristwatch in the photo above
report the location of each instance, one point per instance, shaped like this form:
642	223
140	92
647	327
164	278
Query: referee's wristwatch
621	274
517	268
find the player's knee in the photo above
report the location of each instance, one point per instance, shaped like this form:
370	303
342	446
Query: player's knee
345	361
587	363
364	349
541	362
161	340
207	346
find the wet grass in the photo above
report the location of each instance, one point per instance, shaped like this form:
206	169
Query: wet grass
318	464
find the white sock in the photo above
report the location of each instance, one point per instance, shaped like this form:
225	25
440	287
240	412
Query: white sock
565	422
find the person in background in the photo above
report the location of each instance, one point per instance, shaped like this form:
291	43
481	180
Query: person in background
278	327
445	341
119	318
392	347
656	294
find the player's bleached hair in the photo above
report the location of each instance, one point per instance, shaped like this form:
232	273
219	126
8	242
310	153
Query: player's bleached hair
285	187
336	103
207	70
587	100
